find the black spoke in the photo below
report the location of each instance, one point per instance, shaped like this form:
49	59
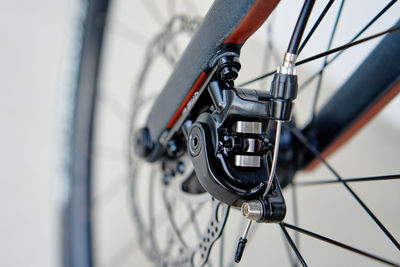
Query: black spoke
329	52
295	213
390	4
315	26
293	262
337	243
321	73
348	45
313	150
350	180
312	77
291	243
258	78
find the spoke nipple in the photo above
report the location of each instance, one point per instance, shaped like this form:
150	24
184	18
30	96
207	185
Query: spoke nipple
252	210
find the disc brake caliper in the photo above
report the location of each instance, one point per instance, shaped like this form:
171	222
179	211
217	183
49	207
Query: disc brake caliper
229	146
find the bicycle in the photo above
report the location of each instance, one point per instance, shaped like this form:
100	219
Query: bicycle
213	145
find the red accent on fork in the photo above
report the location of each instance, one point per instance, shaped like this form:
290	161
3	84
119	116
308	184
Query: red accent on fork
194	89
253	20
358	124
258	13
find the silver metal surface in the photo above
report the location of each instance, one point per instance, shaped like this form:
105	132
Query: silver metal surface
246	231
251	148
247	161
275	157
252	210
288	64
289	59
248	127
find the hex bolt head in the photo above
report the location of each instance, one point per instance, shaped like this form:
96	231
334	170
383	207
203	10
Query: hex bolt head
195	142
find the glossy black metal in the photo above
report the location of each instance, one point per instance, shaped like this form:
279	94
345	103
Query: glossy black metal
228	67
210	150
274	207
300	27
214	172
283	93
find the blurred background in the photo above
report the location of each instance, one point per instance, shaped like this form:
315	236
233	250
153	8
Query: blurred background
37	48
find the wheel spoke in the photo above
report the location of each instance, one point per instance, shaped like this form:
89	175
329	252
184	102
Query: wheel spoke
291	243
338	50
321	73
316	153
295	213
289	251
315	26
350	180
258	78
312	77
390	4
337	243
348	45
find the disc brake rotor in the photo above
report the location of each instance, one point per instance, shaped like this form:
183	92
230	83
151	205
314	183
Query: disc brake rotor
183	188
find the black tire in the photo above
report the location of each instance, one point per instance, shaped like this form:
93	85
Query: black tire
77	221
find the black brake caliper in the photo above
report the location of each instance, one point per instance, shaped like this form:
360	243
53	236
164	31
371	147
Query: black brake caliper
230	149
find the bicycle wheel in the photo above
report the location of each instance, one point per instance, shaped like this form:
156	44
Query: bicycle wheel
123	65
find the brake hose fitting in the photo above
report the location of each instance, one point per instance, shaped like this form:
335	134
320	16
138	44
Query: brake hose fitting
284	89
